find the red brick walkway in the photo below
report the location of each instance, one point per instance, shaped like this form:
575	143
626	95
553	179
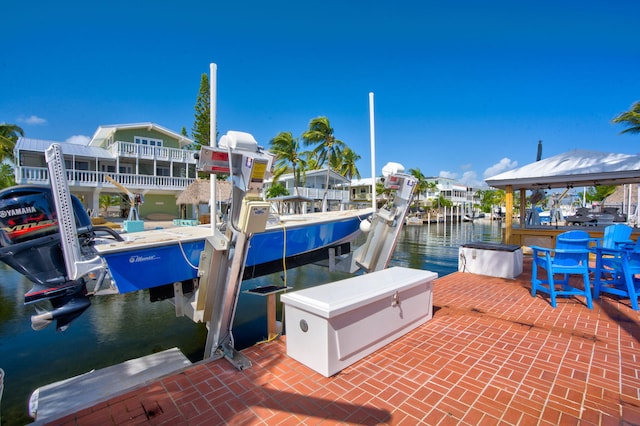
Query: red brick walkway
492	354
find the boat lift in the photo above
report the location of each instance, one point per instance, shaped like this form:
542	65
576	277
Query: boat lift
222	261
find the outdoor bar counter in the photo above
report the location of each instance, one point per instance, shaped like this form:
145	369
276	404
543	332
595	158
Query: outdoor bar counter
545	235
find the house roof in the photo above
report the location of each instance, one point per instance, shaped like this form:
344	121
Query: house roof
40	145
572	169
104	132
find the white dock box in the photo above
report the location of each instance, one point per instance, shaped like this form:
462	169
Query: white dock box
493	259
331	326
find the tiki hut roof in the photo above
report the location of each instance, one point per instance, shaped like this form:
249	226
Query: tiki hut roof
621	196
198	192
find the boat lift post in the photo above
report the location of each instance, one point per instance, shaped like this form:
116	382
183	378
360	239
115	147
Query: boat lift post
223	260
375	254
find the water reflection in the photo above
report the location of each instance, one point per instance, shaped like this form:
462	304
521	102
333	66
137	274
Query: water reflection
117	328
434	247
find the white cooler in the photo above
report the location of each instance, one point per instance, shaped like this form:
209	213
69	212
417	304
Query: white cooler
493	259
331	326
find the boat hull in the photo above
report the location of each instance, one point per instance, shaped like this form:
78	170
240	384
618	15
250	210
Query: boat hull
175	261
154	266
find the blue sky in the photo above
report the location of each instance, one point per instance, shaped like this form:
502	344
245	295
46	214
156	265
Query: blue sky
463	89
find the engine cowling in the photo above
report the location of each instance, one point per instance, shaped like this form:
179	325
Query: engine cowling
30	244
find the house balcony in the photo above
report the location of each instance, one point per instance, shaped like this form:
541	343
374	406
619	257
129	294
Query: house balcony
361	197
318	194
133	150
93	179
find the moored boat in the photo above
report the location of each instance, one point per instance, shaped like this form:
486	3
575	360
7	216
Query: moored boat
171	255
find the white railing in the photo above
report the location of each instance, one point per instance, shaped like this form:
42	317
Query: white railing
318	194
93	179
134	150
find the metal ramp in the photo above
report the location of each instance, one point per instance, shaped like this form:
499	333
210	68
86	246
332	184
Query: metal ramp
57	399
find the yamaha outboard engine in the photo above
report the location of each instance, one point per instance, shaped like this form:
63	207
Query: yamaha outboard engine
30	244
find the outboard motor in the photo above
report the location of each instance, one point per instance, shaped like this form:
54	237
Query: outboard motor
30	244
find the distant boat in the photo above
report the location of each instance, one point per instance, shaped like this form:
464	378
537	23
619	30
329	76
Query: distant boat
473	216
414	220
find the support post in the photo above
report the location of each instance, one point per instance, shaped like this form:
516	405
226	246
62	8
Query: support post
508	218
272	331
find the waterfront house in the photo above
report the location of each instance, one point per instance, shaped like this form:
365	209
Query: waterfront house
313	187
144	158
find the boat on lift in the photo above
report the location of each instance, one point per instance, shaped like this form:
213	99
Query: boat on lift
46	235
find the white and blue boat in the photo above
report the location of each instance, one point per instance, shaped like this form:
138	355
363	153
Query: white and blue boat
160	257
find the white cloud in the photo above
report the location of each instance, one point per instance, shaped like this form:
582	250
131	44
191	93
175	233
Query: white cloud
32	120
470	178
79	139
502	166
448	174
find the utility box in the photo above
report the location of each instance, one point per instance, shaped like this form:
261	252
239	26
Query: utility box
492	259
331	326
133	225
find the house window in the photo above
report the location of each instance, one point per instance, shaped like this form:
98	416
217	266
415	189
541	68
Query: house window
163	171
147	141
82	165
126	168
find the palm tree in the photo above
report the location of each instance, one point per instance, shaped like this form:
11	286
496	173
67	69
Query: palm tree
285	147
421	183
328	148
7	178
347	167
311	160
9	134
630	118
276	190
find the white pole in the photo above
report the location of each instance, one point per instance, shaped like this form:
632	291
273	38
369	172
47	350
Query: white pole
212	142
629	202
372	134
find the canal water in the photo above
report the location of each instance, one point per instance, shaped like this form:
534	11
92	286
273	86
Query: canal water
121	327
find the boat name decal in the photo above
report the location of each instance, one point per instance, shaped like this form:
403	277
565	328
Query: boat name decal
18	211
138	259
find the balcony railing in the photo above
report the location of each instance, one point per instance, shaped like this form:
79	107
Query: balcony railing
93	179
318	194
134	150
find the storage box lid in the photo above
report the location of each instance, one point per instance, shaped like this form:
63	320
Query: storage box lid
332	299
492	246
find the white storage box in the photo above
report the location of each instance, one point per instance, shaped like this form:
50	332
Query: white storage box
493	259
331	326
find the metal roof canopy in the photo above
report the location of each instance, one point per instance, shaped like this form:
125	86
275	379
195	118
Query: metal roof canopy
572	169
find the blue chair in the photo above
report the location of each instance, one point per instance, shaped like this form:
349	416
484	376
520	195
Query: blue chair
615	236
615	272
570	257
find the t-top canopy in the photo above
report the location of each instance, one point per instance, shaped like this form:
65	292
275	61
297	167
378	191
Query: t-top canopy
572	169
